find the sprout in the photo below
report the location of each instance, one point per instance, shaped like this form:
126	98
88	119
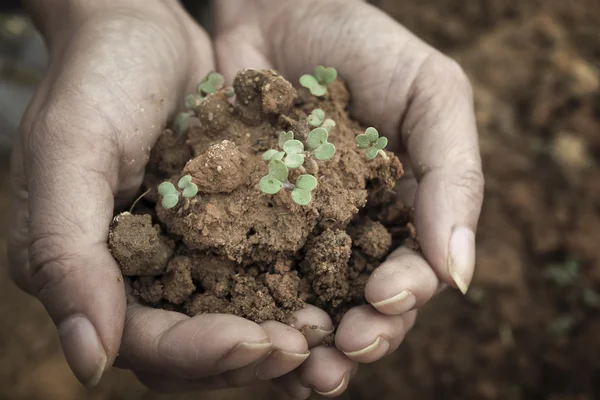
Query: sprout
274	180
170	196
284	137
211	83
189	188
321	77
181	122
305	184
328	124
316	117
317	142
273	155
294	150
229	92
192	101
373	144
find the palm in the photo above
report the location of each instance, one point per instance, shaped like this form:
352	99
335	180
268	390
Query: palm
417	97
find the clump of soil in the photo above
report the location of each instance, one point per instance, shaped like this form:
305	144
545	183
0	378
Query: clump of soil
233	249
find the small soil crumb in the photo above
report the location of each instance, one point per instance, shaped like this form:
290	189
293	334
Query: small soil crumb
138	246
372	238
177	282
239	251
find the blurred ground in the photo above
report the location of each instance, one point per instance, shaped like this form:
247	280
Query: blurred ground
530	326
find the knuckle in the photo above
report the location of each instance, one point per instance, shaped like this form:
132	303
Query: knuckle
471	182
49	263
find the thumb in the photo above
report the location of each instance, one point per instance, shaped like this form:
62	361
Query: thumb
440	135
71	269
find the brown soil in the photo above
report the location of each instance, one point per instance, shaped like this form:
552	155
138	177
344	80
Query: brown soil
233	249
519	335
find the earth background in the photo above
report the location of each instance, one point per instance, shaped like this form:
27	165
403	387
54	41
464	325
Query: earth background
530	326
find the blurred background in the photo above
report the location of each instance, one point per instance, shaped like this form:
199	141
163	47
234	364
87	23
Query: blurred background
530	326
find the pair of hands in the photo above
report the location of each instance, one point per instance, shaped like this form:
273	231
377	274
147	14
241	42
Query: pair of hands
118	71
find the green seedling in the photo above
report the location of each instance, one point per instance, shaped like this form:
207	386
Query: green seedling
170	195
210	84
564	274
372	143
229	92
305	184
189	188
318	144
182	122
293	156
275	179
591	298
316	117
328	124
321	77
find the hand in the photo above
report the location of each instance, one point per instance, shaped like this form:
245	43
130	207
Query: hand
423	102
116	74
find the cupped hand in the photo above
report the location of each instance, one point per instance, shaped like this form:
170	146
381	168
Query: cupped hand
423	102
117	73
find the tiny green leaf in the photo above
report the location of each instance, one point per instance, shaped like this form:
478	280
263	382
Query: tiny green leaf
229	92
371	153
381	143
318	90
320	73
190	190
313	120
362	141
329	75
181	122
272	155
192	101
284	137
301	197
372	134
166	188
270	185
308	81
278	170
306	182
184	181
328	124
216	79
320	114
170	200
294	160
293	147
207	87
324	151
317	137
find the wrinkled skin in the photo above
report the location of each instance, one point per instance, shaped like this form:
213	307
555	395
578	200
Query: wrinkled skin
117	74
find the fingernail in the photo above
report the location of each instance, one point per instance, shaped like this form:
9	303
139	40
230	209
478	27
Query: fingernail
83	350
315	335
244	353
277	361
338	390
398	304
371	353
461	257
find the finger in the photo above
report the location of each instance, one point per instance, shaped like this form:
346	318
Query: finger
365	335
417	92
290	349
290	384
314	323
233	54
327	371
173	344
445	147
404	281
